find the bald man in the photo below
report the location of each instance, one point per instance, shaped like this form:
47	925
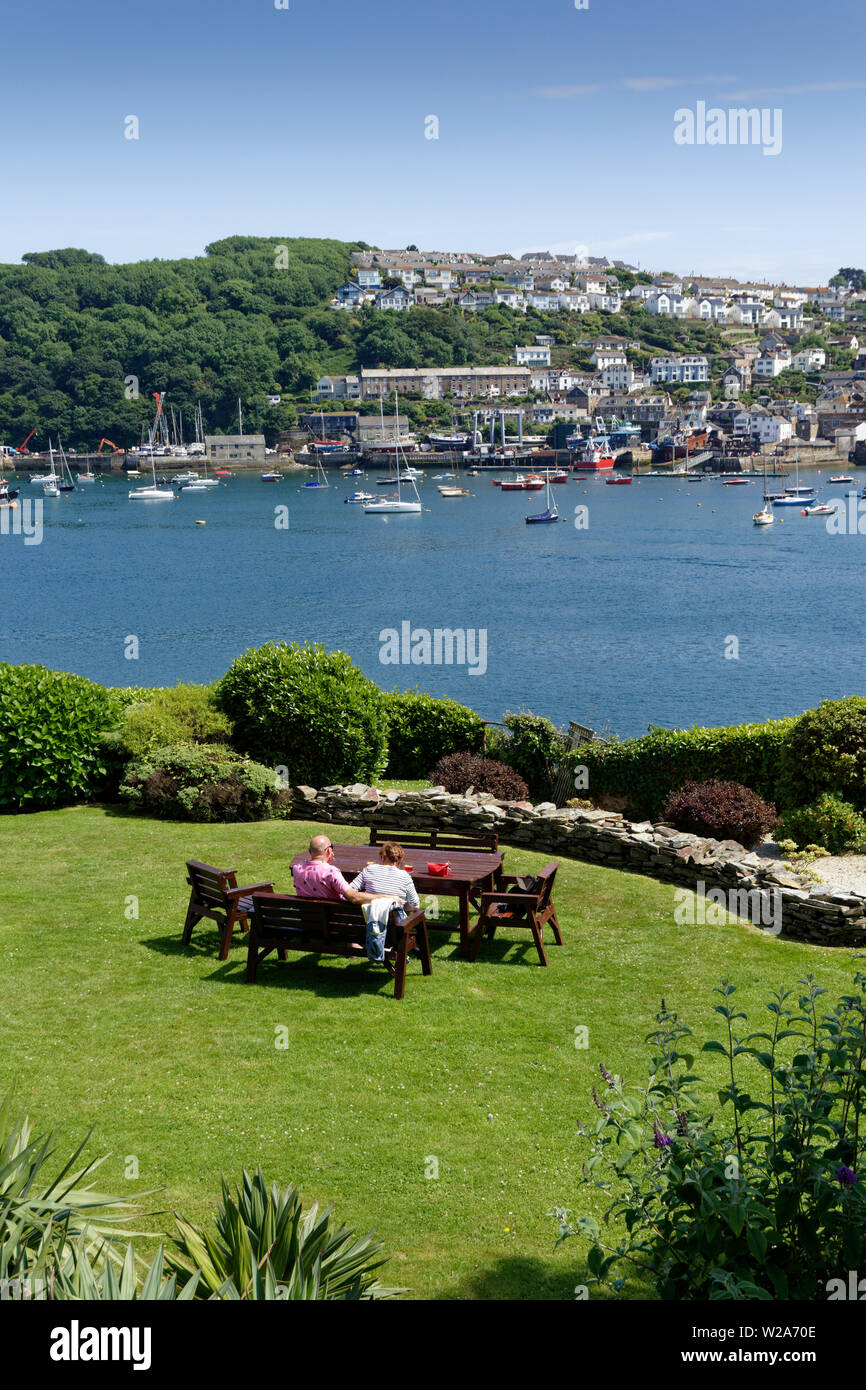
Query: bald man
318	876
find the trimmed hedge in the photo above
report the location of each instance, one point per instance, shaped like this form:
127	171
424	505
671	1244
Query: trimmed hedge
826	752
647	770
423	729
51	737
534	747
201	782
308	710
178	714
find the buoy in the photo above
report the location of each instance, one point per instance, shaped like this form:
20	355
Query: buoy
201	523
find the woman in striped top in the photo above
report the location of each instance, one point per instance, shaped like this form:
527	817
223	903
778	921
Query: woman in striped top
388	876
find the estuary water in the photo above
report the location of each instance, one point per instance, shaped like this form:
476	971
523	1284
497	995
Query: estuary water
666	606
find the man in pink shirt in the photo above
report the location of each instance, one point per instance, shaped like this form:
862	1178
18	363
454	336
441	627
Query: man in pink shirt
318	877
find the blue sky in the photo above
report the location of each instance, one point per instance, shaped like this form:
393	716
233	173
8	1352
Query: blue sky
555	128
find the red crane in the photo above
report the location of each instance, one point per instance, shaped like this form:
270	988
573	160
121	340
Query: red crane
22	448
115	448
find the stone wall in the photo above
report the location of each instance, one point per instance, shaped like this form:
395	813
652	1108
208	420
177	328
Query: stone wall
807	912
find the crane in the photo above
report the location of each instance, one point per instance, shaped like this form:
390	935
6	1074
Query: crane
22	448
115	449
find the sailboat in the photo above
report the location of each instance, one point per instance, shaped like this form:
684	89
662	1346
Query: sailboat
396	504
549	514
795	496
153	493
65	482
765	516
454	489
50	481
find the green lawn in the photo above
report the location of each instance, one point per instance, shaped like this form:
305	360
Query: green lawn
108	1022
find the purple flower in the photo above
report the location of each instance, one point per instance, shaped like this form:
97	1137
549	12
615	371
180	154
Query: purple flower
605	1073
597	1098
846	1176
682	1123
661	1141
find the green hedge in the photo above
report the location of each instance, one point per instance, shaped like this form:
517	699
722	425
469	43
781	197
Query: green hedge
201	782
423	729
308	710
646	770
51	737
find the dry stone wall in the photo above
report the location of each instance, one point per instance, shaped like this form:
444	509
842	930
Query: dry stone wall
807	912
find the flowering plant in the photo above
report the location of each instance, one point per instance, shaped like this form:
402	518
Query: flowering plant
767	1200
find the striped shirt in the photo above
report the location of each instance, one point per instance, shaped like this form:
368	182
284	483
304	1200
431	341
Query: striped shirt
386	878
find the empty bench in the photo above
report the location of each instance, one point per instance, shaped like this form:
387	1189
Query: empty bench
435	839
282	922
215	894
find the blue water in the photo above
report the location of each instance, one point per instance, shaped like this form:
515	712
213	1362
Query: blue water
620	625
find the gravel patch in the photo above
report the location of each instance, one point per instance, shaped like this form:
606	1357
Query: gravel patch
844	873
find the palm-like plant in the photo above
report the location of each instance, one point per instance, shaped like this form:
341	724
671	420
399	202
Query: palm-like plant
42	1217
267	1246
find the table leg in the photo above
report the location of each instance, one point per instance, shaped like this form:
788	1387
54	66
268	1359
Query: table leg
464	921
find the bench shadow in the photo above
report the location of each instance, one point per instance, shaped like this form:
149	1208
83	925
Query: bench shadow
520	1278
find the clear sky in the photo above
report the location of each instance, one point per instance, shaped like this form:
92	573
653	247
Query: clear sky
556	128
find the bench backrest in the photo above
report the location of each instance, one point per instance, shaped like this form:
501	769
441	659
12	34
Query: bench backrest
315	917
487	843
546	881
210	884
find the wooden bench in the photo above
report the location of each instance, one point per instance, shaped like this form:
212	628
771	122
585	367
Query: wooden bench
511	906
435	839
282	922
215	894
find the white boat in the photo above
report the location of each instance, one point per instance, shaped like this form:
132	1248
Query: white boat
764	517
360	497
188	477
153	493
819	509
87	477
396	505
271	477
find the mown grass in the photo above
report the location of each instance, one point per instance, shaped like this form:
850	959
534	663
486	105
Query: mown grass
106	1021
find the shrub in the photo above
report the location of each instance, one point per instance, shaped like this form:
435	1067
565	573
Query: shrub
459	771
124	695
834	824
646	770
826	752
201	782
181	714
722	810
535	748
309	710
765	1202
422	729
51	731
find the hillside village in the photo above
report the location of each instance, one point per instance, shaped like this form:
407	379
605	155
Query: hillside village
783	361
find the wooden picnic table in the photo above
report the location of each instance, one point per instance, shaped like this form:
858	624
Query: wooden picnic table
472	873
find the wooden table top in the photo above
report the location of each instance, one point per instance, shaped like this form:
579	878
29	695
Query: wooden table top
467	866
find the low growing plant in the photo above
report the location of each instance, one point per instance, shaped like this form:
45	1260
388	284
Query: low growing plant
765	1199
829	822
179	714
460	771
202	782
721	810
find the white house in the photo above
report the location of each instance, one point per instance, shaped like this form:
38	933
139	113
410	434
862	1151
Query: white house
514	299
621	376
406	273
663	304
809	360
787	317
338	388
689	368
591	284
762	427
748	311
546	302
641	292
534	356
772	364
574	301
369	278
608	303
